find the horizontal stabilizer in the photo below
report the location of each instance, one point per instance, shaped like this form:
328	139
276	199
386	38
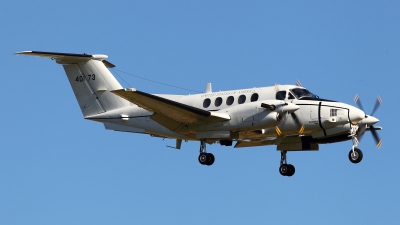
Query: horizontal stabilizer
118	127
68	57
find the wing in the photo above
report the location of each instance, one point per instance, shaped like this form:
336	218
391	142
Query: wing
162	107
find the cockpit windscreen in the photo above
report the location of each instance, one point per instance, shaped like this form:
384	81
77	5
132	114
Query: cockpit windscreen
301	93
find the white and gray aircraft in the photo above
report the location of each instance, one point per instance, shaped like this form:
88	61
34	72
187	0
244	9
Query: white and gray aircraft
288	116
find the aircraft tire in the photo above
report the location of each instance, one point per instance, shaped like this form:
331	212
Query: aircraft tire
357	157
210	159
291	170
283	169
203	158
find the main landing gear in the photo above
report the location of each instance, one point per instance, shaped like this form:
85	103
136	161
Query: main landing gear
286	169
355	154
204	157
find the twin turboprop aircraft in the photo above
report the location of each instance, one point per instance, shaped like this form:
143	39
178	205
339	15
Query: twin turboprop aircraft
288	116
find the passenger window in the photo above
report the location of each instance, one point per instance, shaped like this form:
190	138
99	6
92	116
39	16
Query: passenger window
254	97
218	101
206	103
229	100
242	99
281	95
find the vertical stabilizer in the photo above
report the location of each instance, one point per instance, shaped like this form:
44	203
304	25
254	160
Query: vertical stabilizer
90	80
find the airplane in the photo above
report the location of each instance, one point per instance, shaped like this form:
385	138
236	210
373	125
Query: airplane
288	116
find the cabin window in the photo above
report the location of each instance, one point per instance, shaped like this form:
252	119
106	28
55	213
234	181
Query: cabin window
206	103
334	112
242	99
218	101
281	95
254	97
230	100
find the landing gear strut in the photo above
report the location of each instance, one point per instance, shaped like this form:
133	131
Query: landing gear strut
204	157
286	169
355	154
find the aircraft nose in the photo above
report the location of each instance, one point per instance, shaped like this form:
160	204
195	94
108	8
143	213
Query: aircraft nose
370	120
356	115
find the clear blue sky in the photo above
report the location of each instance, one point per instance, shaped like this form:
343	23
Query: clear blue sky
57	168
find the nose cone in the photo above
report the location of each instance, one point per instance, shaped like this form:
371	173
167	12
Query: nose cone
370	120
356	115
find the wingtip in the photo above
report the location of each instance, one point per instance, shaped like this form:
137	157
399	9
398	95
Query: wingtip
22	52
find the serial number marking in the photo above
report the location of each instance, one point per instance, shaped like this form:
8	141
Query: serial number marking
82	78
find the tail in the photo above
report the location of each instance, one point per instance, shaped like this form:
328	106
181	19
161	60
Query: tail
90	80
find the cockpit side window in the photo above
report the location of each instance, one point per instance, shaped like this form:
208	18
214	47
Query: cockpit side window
280	95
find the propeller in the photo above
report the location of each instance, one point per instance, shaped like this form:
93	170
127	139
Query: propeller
283	117
364	127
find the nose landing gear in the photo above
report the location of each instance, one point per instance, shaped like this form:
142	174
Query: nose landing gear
355	154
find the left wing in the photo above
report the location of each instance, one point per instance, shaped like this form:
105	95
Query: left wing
176	111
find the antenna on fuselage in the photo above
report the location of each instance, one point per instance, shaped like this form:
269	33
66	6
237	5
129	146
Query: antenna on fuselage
208	88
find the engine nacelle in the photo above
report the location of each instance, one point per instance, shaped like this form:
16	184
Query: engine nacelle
248	116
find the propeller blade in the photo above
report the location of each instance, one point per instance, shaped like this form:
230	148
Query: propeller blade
278	131
361	131
378	141
298	83
283	118
282	123
358	101
377	104
297	122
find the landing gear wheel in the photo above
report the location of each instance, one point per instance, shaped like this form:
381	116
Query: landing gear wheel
206	159
355	157
203	158
210	159
283	169
287	170
292	170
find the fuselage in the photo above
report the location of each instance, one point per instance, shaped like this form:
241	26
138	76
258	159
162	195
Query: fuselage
248	119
